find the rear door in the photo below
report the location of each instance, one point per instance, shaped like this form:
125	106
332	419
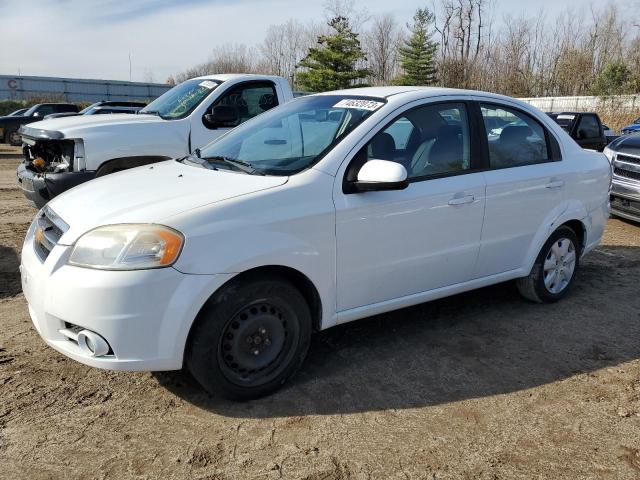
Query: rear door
525	186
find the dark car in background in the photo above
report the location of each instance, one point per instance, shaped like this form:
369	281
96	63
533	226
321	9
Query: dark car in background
10	125
584	127
102	108
631	129
17	112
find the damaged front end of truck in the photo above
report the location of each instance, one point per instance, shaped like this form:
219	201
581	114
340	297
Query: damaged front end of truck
52	164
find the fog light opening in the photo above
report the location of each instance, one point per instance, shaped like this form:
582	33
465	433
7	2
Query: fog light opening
92	344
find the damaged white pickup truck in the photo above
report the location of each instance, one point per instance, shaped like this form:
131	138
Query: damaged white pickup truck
64	152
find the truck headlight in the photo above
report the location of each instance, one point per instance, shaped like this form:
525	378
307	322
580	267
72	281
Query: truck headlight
127	247
610	154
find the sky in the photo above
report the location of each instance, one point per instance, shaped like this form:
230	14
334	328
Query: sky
96	38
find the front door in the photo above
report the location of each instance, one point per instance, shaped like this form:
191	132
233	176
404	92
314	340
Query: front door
392	244
246	99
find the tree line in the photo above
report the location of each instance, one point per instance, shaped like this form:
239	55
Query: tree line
453	43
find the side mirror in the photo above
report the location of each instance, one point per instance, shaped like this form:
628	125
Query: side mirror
222	116
36	114
381	175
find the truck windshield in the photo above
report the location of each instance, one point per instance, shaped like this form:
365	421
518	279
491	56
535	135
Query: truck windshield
181	99
292	137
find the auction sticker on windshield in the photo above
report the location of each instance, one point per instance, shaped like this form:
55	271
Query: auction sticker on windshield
359	104
208	84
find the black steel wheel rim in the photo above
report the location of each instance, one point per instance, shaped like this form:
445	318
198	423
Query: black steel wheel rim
257	343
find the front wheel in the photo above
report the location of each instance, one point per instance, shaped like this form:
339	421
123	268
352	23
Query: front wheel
250	338
13	138
554	270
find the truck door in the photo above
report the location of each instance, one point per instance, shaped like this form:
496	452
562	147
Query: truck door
589	133
233	107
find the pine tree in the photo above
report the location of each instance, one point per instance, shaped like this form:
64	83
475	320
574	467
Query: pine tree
333	64
417	55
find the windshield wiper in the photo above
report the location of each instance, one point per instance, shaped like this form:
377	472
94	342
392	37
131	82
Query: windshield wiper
198	161
241	165
150	112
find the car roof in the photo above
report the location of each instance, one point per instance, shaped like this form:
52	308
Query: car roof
223	77
417	92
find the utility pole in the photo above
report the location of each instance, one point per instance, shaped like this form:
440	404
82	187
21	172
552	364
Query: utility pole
129	66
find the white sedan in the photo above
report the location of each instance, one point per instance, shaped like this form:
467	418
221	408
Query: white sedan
328	209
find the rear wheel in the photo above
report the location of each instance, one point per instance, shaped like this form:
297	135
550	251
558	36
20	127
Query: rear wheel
554	270
250	339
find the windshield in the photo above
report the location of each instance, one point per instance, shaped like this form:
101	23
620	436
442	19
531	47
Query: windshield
291	137
181	99
17	112
89	108
29	113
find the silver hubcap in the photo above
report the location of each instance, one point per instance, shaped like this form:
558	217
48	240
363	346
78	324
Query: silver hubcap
559	265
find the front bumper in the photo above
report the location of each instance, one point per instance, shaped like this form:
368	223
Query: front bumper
39	188
144	315
625	200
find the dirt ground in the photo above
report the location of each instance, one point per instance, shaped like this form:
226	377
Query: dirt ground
478	386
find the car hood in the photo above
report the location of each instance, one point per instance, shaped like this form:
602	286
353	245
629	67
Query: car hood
626	144
150	194
75	126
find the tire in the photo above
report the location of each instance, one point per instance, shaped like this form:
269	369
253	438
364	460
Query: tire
12	137
555	269
250	338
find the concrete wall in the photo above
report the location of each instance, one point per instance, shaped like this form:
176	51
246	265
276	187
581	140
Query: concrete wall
584	104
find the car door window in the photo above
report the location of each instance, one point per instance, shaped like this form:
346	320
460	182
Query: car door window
588	127
520	140
428	140
249	100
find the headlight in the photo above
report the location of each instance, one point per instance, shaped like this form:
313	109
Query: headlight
610	154
127	247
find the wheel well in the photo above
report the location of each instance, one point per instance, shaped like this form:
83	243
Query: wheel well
578	228
124	163
298	279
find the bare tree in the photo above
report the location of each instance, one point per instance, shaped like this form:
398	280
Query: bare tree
381	44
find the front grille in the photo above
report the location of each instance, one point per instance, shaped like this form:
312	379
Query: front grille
627	158
49	228
626	173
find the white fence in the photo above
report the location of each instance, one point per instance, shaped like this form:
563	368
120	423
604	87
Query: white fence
629	103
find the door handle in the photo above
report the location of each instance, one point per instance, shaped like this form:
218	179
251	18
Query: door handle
555	184
462	200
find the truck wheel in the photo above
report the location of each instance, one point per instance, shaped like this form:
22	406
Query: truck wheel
250	338
13	138
555	268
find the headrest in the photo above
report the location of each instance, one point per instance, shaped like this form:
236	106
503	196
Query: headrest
515	133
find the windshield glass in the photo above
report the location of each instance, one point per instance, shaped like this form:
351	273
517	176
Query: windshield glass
181	99
89	108
294	136
29	113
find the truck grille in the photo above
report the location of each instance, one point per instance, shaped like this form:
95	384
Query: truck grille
49	228
627	158
626	174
